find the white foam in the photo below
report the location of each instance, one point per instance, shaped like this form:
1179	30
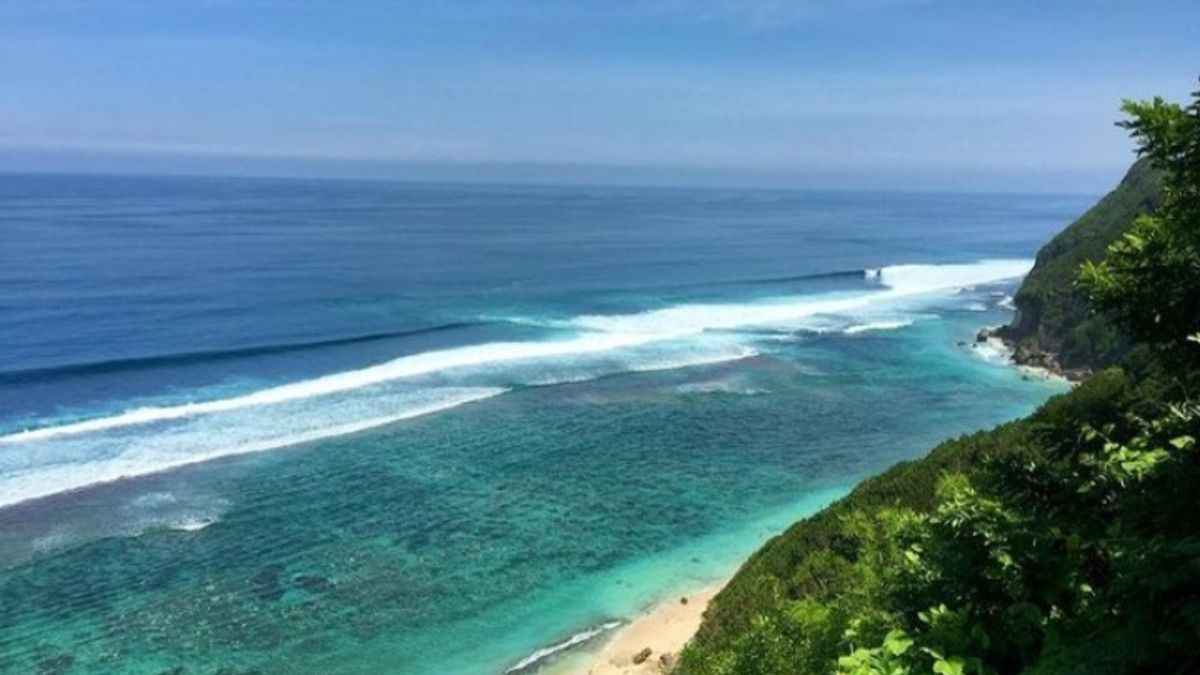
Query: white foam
51	459
899	282
38	465
574	640
993	350
59	465
875	326
652	356
694	360
609	333
720	387
154	500
191	524
406	367
927	278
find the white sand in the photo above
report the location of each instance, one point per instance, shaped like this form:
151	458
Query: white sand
665	629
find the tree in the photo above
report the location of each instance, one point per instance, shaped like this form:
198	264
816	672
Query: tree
1150	279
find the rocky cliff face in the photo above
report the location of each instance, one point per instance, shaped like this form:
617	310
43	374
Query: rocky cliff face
1053	327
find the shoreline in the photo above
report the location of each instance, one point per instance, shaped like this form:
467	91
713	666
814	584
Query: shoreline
991	339
654	615
663	629
1034	362
667	625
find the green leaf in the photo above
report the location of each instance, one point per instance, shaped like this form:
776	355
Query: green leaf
897	642
955	665
936	654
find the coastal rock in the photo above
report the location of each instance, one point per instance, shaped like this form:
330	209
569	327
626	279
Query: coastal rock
1036	358
666	661
641	656
683	600
1026	353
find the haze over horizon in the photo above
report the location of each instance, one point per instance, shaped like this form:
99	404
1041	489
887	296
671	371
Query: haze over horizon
881	94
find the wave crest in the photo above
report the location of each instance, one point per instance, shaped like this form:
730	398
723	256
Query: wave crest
58	457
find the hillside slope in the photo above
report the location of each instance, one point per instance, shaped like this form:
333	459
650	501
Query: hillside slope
1052	326
1064	543
1052	320
1011	549
782	571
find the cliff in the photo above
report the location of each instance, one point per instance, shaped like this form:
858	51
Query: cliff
1053	326
1061	543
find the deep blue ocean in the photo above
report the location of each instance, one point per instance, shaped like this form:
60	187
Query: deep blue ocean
283	426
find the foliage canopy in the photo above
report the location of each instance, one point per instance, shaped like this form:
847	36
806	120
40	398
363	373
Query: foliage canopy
1066	542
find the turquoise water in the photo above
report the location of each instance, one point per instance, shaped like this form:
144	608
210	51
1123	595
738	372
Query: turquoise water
331	463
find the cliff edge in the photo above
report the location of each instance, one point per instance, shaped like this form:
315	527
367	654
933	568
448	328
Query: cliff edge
1053	327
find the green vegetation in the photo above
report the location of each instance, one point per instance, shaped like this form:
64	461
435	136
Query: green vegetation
1052	313
1066	542
1149	279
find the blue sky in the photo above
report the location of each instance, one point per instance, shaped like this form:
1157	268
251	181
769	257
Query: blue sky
903	94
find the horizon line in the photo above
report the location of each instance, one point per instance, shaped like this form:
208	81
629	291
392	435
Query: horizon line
928	179
525	182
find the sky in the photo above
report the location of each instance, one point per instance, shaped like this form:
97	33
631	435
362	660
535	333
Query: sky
1018	95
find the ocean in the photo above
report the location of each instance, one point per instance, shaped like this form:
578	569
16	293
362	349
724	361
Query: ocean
288	426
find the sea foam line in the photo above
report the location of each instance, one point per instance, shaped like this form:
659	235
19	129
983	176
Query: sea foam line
49	460
42	481
899	282
59	464
878	325
573	641
405	367
604	333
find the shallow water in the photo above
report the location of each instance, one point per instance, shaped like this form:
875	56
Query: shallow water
393	428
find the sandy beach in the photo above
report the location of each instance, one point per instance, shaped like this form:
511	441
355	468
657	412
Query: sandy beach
664	630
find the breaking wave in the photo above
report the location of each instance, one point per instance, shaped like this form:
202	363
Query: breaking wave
49	465
878	325
575	640
56	457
